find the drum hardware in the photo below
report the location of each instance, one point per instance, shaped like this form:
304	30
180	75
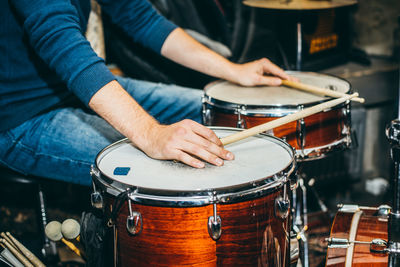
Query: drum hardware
294	248
376	245
300	223
134	222
349	135
282	205
214	222
206	112
96	198
393	134
241	123
301	133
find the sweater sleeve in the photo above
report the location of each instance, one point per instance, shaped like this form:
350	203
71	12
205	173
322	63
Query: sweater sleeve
54	32
140	21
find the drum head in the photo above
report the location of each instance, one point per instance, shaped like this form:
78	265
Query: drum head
276	95
256	158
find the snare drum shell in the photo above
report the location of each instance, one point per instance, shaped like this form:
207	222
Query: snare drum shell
320	133
369	227
175	222
177	236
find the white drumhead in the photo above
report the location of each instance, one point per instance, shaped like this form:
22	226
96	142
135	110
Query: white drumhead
255	158
276	95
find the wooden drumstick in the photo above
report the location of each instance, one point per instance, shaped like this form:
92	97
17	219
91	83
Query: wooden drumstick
26	252
283	120
318	90
16	253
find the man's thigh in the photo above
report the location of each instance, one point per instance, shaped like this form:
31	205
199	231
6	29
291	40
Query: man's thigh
61	144
167	103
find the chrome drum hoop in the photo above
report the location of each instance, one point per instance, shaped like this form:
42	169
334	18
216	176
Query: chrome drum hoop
170	198
275	110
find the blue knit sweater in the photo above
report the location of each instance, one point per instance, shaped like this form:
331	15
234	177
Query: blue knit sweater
45	58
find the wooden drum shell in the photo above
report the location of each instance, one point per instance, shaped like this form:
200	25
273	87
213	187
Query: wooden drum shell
370	226
177	236
321	129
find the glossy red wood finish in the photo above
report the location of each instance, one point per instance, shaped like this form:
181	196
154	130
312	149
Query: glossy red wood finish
322	129
370	227
176	236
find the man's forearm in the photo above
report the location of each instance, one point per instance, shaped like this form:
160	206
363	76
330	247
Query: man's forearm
117	107
183	49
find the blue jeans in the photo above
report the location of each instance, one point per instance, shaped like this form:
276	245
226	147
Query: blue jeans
63	143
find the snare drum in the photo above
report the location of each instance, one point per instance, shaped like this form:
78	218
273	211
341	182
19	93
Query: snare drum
173	214
227	104
358	237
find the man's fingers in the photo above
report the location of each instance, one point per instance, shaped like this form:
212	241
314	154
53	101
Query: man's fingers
273	69
269	80
210	147
204	132
201	153
189	160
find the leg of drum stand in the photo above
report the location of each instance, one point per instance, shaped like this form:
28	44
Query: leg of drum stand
300	220
299	46
303	235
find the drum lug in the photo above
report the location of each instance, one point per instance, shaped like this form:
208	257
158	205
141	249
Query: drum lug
134	221
96	199
241	123
214	222
347	125
282	207
301	133
214	225
282	204
206	114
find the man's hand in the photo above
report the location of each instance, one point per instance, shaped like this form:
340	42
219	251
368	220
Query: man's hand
259	72
186	141
183	49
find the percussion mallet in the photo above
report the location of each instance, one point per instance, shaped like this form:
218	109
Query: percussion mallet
318	90
53	232
283	120
71	229
26	252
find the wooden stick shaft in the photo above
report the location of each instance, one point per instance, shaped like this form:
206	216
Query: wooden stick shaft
318	90
16	253
3	235
26	252
283	120
71	246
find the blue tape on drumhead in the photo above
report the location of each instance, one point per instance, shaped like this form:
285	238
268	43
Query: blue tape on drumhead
121	170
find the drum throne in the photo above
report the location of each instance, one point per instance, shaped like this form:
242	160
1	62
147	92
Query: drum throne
10	177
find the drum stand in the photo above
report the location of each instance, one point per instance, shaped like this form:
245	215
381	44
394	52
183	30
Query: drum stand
393	244
300	213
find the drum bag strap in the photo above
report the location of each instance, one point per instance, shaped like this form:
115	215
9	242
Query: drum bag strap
95	233
119	201
93	239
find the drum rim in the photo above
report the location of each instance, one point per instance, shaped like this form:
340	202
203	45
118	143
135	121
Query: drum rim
269	110
230	194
